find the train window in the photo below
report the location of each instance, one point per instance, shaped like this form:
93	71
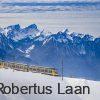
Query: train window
13	65
31	69
4	64
8	65
50	71
42	70
34	69
46	70
17	66
37	69
21	67
1	63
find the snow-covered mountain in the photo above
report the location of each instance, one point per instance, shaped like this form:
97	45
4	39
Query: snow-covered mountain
80	53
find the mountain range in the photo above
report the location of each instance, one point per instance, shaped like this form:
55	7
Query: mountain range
78	53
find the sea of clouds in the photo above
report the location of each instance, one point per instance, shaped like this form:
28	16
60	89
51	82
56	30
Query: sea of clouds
18	6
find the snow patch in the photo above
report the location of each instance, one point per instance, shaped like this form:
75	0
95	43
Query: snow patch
29	49
20	50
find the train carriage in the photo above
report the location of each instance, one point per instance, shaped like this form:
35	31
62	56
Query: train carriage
1	64
26	68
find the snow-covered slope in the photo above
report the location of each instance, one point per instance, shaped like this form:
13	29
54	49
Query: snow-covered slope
8	76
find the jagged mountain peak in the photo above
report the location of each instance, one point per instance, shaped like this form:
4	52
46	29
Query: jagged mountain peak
75	34
66	31
32	26
16	33
88	37
13	27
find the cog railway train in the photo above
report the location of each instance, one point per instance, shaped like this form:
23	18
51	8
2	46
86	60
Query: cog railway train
26	68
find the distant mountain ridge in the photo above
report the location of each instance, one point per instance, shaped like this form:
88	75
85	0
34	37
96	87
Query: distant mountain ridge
80	52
